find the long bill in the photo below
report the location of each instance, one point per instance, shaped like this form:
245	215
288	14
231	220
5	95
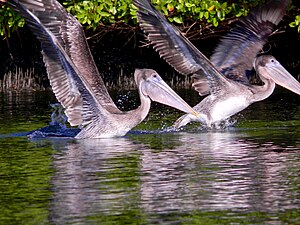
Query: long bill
160	92
283	78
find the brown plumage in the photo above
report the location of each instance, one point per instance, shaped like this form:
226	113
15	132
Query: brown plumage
75	79
224	77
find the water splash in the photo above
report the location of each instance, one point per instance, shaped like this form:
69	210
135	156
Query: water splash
196	126
224	124
57	127
126	101
58	116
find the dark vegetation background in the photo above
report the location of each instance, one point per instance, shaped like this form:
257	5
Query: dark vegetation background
117	52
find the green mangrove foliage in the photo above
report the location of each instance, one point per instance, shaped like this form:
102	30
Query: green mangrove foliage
296	23
205	11
9	21
94	14
98	13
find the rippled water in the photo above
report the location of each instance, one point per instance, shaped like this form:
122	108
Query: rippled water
246	174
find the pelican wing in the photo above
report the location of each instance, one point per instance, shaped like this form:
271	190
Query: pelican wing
236	52
69	33
69	87
175	48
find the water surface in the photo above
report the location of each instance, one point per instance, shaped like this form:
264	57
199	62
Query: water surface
245	174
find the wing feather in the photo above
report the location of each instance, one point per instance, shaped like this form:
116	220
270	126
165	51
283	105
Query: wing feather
69	33
235	54
69	87
175	48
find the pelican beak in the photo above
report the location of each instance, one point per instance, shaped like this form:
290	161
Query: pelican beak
159	91
282	77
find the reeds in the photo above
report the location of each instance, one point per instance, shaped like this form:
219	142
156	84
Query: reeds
21	80
126	81
28	80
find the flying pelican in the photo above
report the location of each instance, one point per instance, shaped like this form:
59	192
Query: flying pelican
75	79
225	76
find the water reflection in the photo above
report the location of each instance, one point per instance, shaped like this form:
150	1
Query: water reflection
24	111
247	174
154	178
215	171
94	178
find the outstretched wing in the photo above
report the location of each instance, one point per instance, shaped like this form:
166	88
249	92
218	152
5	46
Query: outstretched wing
175	48
69	87
69	33
236	52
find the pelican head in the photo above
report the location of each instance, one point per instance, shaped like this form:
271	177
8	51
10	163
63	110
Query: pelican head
269	68
152	86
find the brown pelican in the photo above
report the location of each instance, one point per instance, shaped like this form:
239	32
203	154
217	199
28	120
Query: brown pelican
224	77
75	79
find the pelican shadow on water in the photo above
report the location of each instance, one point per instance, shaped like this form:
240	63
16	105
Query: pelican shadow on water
224	78
75	79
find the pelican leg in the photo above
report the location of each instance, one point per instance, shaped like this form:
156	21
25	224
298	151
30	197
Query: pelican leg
181	121
187	118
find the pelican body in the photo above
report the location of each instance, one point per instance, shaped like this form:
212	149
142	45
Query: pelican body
224	77
233	97
75	79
